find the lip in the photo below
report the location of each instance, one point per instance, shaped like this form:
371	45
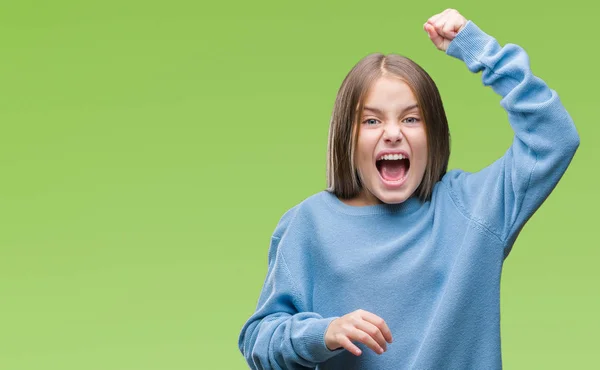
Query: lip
392	184
391	151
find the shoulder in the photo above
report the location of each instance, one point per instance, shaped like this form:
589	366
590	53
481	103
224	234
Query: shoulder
296	228
455	187
475	194
298	215
453	180
469	188
461	182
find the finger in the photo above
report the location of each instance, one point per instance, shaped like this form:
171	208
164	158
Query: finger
440	23
374	332
450	29
447	31
434	18
369	328
437	40
378	322
448	16
449	24
347	344
360	336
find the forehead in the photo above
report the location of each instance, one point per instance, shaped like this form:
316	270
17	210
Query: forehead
389	93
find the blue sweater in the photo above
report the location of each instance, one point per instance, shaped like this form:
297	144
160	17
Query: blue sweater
430	269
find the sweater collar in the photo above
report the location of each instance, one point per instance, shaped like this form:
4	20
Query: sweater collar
409	206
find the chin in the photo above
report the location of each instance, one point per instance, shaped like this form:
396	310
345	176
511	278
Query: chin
393	197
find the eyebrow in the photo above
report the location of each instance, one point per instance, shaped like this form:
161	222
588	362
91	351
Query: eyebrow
378	111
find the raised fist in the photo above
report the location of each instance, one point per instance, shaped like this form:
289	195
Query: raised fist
443	27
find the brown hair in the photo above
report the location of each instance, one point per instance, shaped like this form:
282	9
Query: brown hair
342	176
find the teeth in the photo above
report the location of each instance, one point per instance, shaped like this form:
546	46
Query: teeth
390	157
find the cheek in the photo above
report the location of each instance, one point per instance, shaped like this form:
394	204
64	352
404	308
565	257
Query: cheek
420	141
423	155
419	149
363	160
365	147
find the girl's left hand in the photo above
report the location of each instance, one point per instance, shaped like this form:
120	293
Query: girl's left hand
443	27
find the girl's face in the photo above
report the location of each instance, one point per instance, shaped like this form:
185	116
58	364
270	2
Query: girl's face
391	151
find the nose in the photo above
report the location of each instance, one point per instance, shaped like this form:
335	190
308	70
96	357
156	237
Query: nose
392	133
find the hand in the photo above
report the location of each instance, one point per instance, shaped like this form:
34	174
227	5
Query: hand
443	27
360	326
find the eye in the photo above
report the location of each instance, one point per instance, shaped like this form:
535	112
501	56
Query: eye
371	121
414	120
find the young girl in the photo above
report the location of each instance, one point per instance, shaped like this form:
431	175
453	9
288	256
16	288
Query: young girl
397	264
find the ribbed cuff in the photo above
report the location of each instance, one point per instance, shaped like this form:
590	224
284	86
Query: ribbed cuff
312	346
469	44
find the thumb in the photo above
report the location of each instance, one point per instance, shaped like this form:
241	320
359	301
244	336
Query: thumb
437	40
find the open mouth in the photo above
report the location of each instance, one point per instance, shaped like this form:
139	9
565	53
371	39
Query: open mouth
393	167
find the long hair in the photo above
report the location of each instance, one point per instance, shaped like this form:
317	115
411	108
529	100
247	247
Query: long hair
342	177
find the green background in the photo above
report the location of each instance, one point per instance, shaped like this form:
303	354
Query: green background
148	150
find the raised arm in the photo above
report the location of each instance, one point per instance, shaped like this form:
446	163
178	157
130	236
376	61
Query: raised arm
504	195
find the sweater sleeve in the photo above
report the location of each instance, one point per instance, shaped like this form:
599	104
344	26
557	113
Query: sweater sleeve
504	195
282	333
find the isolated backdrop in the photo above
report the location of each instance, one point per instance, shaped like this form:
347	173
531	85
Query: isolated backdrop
148	149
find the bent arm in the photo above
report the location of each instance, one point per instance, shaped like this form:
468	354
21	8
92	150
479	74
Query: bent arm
504	195
280	335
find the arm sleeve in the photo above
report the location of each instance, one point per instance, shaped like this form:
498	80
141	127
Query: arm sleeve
504	195
282	333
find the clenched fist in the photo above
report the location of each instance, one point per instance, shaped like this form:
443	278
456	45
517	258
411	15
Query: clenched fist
443	27
358	326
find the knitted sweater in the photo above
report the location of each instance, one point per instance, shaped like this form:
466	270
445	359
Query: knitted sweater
430	269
